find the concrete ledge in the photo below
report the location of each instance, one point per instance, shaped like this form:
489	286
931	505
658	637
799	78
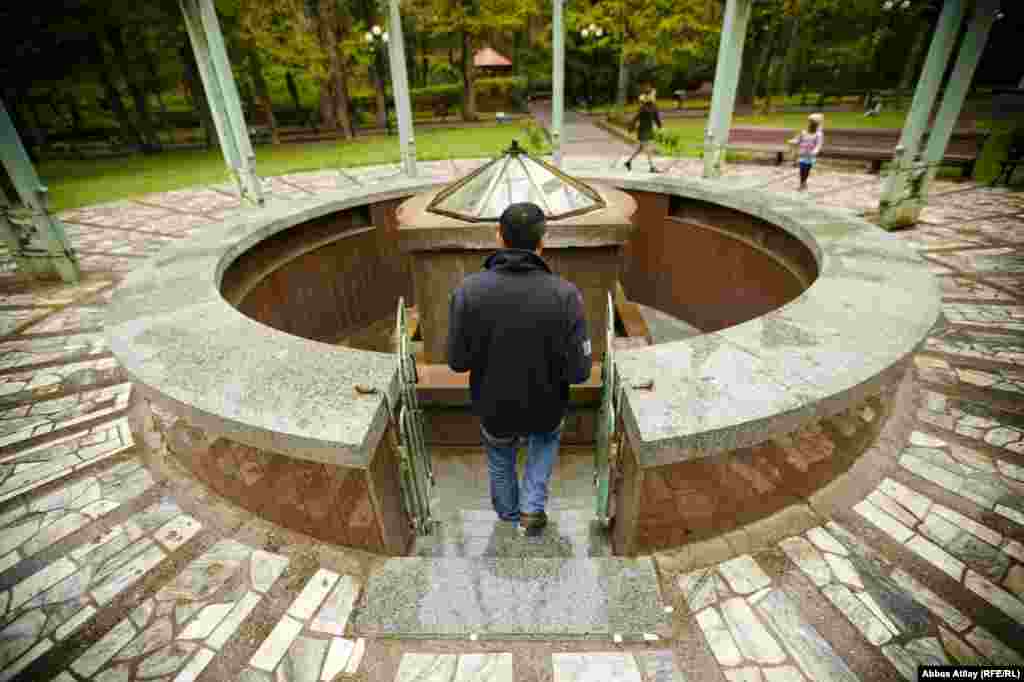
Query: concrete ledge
825	352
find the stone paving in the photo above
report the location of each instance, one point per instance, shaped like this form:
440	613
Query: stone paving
112	570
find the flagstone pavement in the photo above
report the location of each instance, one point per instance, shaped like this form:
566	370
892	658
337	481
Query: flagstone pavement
111	569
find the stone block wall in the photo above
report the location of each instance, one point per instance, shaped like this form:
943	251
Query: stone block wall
345	506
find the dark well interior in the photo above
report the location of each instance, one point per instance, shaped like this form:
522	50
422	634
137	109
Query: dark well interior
708	265
337	279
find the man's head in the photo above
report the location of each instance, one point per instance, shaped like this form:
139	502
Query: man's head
522	226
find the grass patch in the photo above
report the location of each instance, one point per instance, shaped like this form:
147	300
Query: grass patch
75	183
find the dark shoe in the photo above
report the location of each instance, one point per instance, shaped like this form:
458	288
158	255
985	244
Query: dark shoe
654	170
532	523
629	166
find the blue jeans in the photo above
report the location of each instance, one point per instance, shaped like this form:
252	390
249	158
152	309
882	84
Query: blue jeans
542	450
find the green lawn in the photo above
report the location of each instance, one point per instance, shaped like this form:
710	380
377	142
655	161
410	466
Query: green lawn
691	130
80	183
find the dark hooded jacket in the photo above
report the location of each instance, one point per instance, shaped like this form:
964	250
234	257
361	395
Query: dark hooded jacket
520	331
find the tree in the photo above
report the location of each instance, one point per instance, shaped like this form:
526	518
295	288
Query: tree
469	22
306	35
659	33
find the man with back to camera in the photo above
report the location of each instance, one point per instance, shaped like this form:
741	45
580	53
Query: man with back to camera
520	331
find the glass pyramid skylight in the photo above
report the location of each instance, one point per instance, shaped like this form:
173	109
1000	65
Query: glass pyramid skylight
516	176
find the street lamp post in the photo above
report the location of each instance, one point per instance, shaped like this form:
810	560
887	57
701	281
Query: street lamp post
377	40
589	36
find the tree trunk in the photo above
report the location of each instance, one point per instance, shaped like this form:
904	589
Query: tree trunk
342	104
293	90
200	104
328	107
263	101
381	96
76	113
468	79
154	85
784	82
150	139
343	26
751	71
113	97
623	85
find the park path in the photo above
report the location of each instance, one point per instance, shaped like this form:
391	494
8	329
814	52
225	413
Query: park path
580	136
115	565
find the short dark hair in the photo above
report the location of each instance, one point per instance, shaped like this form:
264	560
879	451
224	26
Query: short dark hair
523	226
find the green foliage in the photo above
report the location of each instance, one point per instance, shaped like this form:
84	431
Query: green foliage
669	143
500	87
80	183
996	148
442	73
535	141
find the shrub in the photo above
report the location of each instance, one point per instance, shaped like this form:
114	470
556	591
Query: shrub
536	141
668	142
440	99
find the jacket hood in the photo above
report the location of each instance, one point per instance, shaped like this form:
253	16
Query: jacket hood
515	260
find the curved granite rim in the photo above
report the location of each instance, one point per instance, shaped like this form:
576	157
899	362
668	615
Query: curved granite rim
845	337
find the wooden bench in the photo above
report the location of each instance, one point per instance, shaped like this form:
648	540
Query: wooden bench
761	140
874	145
879	144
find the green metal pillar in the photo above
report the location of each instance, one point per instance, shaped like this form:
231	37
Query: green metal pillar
907	172
557	79
956	93
727	76
34	236
222	94
400	86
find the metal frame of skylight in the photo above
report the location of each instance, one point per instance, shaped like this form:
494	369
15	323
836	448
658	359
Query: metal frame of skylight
514	150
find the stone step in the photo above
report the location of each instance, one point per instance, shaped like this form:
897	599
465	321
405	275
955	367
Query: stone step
1000	386
977	345
178	631
602	666
993	484
22	471
35	423
978	558
975	421
307	642
57	381
34	523
45	608
531	598
28	353
1007	319
72	319
569	534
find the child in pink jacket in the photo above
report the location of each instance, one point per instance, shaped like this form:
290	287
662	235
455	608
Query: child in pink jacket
808	144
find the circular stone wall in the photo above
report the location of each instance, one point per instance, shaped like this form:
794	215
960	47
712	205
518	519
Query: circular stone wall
768	369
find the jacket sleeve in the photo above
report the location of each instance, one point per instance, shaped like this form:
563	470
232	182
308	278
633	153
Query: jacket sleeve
821	141
578	344
459	353
657	118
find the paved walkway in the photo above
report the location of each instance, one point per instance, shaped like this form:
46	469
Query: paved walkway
580	136
113	566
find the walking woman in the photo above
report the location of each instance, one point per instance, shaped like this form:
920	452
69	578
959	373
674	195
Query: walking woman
644	123
808	144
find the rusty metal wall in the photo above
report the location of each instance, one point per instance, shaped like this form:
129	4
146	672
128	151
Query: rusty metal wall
325	278
711	266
